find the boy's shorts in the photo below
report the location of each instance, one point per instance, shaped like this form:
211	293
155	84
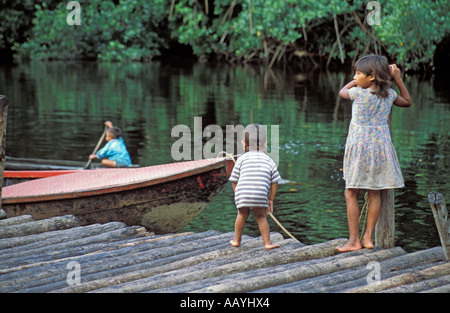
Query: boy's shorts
118	163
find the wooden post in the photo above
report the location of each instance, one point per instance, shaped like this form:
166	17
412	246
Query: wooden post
385	228
3	117
440	215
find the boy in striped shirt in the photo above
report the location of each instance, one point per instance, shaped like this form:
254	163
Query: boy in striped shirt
255	180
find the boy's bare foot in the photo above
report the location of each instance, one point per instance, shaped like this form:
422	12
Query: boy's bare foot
349	246
271	246
235	243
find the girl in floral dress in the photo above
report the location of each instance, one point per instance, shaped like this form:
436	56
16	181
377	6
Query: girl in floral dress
370	160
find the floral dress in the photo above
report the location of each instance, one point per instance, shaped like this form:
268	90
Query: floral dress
370	160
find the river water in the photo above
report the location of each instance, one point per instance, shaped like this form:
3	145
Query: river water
57	110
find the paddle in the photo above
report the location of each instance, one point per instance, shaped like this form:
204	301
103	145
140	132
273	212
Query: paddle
88	164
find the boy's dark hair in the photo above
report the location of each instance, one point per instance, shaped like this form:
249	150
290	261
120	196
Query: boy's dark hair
379	67
115	131
255	138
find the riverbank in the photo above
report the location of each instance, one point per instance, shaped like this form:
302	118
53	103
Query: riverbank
58	255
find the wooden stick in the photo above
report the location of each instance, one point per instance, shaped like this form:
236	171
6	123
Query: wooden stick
281	226
440	215
88	164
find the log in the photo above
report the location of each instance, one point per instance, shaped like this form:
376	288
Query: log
403	279
3	118
422	286
57	236
440	215
299	272
16	220
440	289
40	226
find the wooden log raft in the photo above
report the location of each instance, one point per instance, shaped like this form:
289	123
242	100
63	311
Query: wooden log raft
440	215
114	257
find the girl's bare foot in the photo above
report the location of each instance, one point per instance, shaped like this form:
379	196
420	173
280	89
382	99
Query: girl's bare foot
235	243
271	246
367	243
350	246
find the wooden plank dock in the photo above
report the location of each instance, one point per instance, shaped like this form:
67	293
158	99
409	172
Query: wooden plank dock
58	255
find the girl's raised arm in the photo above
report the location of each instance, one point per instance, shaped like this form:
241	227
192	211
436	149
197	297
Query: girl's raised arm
344	91
404	99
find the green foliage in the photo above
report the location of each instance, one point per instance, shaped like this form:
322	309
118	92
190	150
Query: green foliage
248	30
16	17
275	31
107	32
411	30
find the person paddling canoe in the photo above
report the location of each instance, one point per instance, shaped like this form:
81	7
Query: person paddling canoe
114	153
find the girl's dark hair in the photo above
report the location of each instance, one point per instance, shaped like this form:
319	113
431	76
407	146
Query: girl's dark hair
255	138
115	131
378	66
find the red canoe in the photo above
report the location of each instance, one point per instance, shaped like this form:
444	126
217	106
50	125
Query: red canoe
19	170
16	177
162	198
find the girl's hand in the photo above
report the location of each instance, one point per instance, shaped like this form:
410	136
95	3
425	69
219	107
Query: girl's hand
404	99
92	156
270	208
395	72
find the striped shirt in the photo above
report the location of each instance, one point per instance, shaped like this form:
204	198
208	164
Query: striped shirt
254	173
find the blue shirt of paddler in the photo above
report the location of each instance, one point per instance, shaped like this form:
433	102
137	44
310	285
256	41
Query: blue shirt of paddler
115	150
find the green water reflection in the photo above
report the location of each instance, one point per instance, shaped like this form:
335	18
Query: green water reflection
57	111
